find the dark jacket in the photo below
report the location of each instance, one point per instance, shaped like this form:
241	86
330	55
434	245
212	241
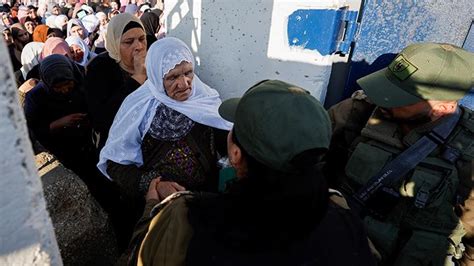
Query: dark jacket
106	86
43	106
174	237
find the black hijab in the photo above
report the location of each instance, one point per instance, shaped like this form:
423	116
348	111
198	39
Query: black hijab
151	22
56	68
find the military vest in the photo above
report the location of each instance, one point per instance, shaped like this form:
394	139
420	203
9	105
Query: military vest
419	225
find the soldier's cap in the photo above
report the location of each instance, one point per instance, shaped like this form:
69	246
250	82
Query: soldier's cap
424	71
274	121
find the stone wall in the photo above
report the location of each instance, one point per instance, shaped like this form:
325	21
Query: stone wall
83	229
26	232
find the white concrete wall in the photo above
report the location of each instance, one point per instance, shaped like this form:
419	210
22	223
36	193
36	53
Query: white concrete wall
238	43
26	232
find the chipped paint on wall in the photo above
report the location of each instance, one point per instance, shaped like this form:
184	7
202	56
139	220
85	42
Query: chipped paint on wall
389	26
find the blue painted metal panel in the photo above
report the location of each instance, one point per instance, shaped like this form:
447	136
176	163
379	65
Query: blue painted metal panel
324	30
314	29
389	26
350	17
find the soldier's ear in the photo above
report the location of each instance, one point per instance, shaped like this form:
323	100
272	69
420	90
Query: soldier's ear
442	108
236	157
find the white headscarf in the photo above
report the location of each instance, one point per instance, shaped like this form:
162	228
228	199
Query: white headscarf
88	55
30	56
134	117
115	31
74	22
90	22
60	21
51	21
101	15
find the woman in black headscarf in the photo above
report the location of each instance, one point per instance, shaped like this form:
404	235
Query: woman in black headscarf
151	23
113	75
55	112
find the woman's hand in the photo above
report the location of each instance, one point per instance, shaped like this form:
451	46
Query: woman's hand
161	189
152	192
72	120
139	68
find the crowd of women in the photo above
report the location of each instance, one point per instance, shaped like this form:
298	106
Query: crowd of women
121	106
74	67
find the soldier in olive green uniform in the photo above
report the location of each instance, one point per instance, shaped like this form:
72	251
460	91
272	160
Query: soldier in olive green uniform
402	149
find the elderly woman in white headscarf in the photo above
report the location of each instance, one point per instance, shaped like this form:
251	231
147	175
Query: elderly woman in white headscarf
79	50
168	128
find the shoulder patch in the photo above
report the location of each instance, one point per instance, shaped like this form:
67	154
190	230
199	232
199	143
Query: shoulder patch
402	68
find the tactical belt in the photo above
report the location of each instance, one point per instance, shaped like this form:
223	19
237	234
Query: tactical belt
405	162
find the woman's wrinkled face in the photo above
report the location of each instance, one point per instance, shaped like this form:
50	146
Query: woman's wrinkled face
77	31
132	43
178	82
77	52
30	26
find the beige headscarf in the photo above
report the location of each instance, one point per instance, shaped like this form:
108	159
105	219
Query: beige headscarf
114	33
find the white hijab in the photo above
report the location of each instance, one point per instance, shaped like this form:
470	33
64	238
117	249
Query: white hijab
60	21
88	55
51	21
73	22
30	56
115	31
134	117
90	22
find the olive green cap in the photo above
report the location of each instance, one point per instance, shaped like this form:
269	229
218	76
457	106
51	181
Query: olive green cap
424	71
274	121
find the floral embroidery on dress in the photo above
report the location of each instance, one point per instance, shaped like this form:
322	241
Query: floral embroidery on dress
169	125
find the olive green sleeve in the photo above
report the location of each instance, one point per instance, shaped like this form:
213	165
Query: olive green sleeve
347	118
168	236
